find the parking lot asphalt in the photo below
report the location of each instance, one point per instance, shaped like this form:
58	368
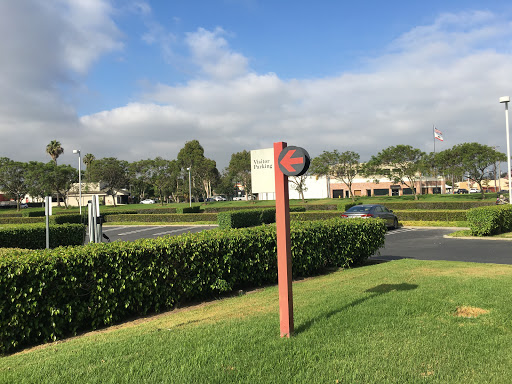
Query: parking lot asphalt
135	232
431	244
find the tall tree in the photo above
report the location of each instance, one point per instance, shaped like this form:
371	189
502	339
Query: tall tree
112	172
60	179
400	164
475	159
88	160
341	166
201	171
37	182
54	149
140	173
240	170
13	179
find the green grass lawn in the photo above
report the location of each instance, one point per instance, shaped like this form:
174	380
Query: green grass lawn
387	323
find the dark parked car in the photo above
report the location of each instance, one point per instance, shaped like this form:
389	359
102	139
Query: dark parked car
372	210
461	191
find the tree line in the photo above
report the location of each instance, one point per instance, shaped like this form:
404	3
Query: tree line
160	178
169	179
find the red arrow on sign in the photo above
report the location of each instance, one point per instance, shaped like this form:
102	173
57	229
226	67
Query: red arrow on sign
288	161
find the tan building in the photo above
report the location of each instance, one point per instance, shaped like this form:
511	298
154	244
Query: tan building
384	187
91	189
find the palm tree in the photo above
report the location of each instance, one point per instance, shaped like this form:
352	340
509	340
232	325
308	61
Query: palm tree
54	149
88	160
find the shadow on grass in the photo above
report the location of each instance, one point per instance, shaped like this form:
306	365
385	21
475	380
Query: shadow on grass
375	291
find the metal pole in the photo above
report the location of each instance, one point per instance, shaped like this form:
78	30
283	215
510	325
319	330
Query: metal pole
508	156
189	187
47	204
80	181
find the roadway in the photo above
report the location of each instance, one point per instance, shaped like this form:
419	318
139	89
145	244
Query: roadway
431	244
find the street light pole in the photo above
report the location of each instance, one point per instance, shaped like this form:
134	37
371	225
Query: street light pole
189	187
506	100
79	179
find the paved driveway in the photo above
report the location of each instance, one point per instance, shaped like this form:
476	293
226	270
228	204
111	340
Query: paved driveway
134	232
430	244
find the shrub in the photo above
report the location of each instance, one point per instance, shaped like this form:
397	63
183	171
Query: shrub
487	221
194	209
46	295
166	217
21	220
33	236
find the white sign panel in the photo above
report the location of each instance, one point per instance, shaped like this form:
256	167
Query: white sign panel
262	171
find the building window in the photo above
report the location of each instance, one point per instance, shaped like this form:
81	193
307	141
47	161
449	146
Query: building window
381	192
337	193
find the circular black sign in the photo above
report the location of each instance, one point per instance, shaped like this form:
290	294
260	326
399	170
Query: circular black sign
293	161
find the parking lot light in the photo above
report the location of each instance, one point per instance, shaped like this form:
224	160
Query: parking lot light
79	179
506	100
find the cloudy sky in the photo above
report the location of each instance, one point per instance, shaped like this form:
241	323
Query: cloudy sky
136	79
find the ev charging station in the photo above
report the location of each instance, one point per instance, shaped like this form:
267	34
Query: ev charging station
95	220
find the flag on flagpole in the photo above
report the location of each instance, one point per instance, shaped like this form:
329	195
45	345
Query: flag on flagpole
438	134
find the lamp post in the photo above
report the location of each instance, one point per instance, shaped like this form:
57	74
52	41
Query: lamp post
506	100
79	179
189	187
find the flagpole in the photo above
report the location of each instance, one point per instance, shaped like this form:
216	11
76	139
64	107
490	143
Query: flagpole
434	137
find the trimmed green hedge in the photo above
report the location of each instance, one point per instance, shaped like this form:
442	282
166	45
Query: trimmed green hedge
250	217
487	221
315	215
153	210
194	209
431	215
46	295
166	217
33	236
54	219
443	205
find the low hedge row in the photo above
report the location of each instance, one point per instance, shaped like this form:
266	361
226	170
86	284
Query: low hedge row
166	217
153	210
456	205
194	209
33	236
487	221
431	215
54	219
250	217
315	215
46	295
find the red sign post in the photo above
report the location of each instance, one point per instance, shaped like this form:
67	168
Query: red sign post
287	161
284	253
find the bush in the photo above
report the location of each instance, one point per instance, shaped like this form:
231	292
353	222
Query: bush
194	209
431	215
166	217
344	206
487	221
46	295
21	220
33	236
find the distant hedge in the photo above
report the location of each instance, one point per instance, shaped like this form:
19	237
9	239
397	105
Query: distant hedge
431	215
166	217
33	236
442	205
487	221
250	217
46	295
54	219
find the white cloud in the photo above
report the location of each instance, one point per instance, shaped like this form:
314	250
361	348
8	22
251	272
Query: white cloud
211	53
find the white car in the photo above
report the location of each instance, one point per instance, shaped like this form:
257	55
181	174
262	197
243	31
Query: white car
238	198
219	198
474	190
148	201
